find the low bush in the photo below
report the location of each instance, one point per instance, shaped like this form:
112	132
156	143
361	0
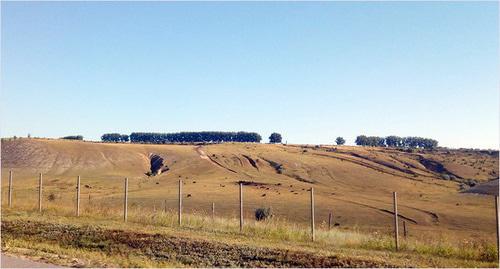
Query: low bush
51	197
263	213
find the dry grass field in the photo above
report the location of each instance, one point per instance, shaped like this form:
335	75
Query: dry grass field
355	184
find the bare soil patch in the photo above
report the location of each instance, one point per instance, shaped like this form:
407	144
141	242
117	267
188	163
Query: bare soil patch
191	252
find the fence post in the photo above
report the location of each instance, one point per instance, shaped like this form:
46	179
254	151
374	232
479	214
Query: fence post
213	211
497	224
125	200
40	193
241	206
180	202
165	205
396	228
10	188
330	221
78	196
312	214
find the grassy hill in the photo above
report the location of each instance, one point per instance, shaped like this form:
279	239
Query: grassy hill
353	183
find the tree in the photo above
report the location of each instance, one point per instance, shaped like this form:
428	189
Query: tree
361	140
340	141
193	137
73	137
124	138
372	141
394	141
275	138
113	137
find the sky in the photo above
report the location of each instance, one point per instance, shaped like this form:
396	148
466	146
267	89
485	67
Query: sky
310	71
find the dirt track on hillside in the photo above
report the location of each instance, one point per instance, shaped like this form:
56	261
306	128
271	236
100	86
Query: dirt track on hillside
191	252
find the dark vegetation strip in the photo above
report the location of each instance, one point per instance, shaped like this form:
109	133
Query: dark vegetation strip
280	169
435	166
217	163
277	166
387	164
182	137
365	164
379	209
251	161
190	252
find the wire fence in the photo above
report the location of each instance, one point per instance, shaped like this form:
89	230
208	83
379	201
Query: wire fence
119	197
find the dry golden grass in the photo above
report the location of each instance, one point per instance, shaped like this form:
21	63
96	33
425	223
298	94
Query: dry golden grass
273	233
354	183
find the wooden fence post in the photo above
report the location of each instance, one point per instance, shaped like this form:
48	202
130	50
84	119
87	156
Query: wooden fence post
497	224
396	228
10	188
165	205
213	211
180	203
40	193
125	201
312	214
78	196
241	207
330	221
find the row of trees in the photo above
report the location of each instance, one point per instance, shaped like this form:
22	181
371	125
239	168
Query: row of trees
115	137
396	141
218	137
189	137
70	137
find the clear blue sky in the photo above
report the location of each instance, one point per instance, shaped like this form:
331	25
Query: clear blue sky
310	71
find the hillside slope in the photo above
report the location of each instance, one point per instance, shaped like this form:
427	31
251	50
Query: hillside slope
354	183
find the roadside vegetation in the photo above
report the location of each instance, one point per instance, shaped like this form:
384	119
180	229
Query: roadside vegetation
41	232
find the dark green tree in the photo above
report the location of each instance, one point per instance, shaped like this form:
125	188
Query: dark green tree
124	138
275	138
394	141
340	140
194	137
361	140
113	137
73	137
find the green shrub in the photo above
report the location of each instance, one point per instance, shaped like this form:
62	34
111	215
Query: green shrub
263	213
52	197
445	176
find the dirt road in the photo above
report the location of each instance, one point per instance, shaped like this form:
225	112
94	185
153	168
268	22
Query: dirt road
15	262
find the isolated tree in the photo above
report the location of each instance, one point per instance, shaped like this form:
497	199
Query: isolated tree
340	140
275	138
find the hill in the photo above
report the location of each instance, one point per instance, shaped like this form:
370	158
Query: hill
353	183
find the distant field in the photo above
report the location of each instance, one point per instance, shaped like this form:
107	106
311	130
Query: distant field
353	183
